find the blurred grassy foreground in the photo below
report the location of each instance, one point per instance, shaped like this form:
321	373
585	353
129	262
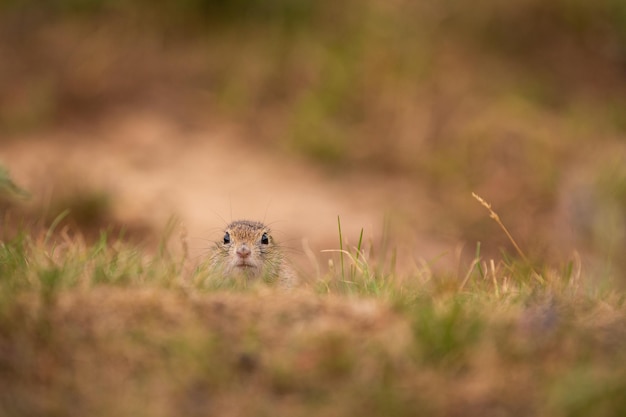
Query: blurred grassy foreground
105	329
522	102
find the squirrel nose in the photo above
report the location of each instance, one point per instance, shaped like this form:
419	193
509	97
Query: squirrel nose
243	251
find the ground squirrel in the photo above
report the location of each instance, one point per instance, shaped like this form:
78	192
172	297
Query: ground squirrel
248	250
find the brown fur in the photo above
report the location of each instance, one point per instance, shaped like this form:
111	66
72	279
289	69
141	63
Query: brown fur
251	252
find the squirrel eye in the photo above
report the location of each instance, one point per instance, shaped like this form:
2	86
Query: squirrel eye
226	238
265	239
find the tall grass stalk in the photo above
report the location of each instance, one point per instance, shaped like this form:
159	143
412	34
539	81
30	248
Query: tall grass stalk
495	217
341	248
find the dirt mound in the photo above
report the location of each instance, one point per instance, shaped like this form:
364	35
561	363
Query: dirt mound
120	351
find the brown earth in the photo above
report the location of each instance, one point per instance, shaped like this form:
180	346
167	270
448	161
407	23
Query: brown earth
154	168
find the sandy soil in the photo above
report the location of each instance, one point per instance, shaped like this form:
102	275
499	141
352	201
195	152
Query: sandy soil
155	169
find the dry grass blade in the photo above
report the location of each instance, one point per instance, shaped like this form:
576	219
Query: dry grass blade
495	217
469	274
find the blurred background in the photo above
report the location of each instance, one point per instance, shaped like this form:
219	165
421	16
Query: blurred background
385	113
